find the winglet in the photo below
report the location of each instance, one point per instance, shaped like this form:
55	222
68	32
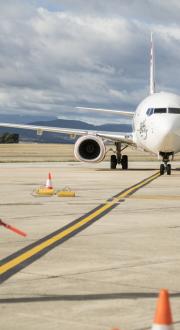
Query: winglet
152	68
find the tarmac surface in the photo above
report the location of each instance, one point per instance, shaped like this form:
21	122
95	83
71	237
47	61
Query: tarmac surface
106	275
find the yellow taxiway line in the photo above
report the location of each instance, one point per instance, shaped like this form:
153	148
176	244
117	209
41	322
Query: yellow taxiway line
22	256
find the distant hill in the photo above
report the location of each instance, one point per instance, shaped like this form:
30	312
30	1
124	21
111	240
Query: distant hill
47	137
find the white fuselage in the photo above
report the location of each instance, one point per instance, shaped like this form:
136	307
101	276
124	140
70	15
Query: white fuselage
157	123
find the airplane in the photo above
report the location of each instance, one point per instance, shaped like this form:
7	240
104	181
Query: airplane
155	123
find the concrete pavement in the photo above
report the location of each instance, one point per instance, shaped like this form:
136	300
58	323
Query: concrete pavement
107	275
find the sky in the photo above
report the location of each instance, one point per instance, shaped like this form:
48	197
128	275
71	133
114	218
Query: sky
59	54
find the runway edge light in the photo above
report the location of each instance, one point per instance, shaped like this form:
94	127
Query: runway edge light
163	316
66	192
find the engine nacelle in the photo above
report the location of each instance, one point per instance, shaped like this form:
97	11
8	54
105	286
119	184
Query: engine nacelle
90	148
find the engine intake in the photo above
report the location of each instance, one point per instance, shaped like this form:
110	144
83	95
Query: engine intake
90	148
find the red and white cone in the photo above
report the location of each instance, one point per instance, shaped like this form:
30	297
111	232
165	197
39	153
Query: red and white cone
49	182
163	317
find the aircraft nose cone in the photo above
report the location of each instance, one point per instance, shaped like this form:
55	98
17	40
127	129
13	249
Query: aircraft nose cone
167	133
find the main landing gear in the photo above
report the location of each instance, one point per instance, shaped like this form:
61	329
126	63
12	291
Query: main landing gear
118	158
165	167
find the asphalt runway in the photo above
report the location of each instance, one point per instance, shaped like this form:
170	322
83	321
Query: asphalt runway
96	261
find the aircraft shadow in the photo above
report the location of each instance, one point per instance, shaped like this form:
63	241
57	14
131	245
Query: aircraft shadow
125	171
85	297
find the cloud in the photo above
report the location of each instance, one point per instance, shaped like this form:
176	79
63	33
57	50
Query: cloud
154	11
56	55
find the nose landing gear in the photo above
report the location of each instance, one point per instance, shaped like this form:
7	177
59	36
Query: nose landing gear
165	167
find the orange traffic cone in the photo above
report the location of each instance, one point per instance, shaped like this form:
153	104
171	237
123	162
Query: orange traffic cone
163	317
49	182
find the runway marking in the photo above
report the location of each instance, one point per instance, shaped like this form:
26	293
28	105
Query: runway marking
157	197
24	257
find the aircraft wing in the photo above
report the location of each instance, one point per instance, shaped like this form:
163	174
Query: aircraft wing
126	138
112	136
116	112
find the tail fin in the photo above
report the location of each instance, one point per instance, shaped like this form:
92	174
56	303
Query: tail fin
152	68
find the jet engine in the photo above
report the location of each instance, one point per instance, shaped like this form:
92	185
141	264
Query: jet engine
90	148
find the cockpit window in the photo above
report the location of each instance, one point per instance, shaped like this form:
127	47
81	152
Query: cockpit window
150	111
160	110
174	110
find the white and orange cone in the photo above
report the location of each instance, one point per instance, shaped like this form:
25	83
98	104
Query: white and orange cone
163	316
49	182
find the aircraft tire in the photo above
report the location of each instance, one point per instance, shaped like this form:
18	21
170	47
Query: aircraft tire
113	162
124	162
162	169
168	169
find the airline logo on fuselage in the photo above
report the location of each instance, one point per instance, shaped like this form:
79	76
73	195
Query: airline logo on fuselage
143	129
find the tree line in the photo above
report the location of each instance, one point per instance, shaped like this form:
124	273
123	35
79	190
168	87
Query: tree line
9	138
